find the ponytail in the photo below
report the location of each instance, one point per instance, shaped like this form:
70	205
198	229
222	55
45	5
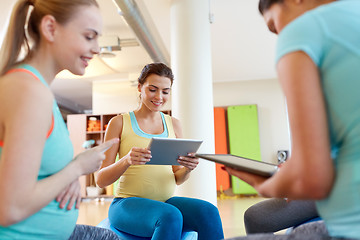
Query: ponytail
15	39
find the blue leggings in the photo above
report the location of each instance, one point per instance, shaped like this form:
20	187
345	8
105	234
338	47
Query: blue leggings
166	220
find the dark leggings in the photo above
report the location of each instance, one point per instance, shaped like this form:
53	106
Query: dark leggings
86	232
309	231
277	214
166	220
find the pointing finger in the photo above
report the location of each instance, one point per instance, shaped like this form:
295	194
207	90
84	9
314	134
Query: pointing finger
106	145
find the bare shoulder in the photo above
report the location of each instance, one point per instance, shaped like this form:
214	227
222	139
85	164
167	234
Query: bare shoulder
22	81
116	121
177	127
24	102
175	122
114	128
23	92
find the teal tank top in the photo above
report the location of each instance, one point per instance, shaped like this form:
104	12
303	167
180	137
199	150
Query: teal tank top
330	36
50	222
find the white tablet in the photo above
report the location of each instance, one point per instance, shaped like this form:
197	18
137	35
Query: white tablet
166	151
243	164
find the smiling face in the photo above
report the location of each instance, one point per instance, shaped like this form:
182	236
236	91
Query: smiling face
155	92
77	41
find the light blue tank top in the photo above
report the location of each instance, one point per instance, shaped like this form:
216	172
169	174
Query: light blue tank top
50	222
330	36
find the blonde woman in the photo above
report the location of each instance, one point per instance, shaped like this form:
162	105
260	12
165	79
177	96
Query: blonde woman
38	175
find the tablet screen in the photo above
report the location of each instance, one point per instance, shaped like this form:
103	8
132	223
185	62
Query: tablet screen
166	151
241	163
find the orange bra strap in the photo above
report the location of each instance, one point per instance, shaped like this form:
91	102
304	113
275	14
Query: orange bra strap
23	70
51	127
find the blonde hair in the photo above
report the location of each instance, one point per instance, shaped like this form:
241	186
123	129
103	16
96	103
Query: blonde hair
23	33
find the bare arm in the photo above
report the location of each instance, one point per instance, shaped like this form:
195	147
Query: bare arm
26	118
189	163
309	173
110	170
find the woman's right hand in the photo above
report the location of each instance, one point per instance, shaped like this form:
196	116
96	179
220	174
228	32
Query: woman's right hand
90	160
138	156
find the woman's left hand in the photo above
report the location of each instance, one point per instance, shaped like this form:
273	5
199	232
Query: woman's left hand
189	161
252	179
71	195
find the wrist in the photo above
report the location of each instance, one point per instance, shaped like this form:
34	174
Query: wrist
187	170
125	162
76	168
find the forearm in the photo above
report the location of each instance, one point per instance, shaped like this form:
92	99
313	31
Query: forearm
297	181
181	175
281	185
108	175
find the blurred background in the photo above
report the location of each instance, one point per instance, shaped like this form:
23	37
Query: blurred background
139	33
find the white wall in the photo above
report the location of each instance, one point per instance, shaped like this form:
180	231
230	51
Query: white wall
242	46
114	97
267	94
5	12
119	96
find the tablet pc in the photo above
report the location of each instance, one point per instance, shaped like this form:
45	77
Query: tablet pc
166	151
242	164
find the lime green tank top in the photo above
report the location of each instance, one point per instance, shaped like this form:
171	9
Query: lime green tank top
156	182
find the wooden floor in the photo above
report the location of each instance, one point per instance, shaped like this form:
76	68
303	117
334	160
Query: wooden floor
231	211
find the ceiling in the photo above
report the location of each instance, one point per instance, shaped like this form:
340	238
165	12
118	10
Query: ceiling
242	48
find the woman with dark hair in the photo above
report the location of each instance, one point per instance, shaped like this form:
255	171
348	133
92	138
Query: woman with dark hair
40	191
318	59
144	204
